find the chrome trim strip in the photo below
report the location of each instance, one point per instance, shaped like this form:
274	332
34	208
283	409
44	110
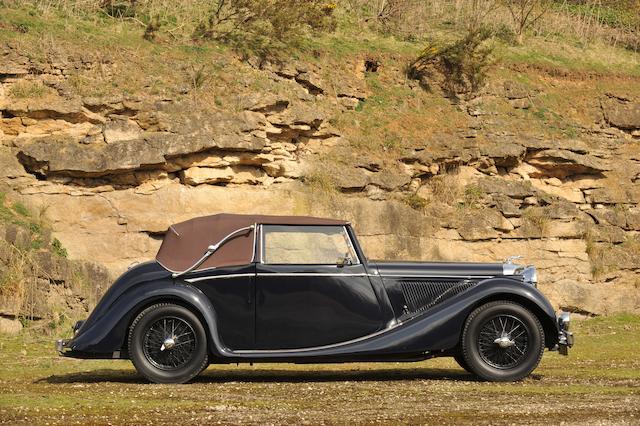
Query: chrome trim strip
326	274
437	276
275	274
315	348
214	277
212	249
309	274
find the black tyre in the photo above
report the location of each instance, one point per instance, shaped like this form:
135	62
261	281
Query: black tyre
502	341
461	362
167	344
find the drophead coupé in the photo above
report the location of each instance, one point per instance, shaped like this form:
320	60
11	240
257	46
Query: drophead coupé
246	288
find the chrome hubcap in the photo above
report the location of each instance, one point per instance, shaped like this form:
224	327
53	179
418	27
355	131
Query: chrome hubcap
169	343
504	342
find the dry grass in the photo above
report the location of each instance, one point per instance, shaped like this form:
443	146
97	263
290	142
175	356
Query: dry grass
597	384
445	188
536	221
26	89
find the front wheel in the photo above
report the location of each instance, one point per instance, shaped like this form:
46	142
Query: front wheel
167	344
502	341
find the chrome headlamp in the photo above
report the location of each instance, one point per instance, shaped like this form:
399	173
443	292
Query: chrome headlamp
530	275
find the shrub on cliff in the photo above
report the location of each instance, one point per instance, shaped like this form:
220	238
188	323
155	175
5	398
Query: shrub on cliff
264	27
460	66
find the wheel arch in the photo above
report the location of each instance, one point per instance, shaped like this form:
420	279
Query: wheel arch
172	299
548	323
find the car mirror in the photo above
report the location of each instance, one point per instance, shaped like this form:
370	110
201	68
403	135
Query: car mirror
345	260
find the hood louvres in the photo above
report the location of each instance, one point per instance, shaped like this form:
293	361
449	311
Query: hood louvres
422	295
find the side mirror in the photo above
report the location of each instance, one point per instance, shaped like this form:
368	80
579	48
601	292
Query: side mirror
345	260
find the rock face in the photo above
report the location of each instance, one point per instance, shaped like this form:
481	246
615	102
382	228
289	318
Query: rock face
114	172
622	113
44	285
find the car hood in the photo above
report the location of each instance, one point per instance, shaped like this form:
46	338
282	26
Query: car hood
440	269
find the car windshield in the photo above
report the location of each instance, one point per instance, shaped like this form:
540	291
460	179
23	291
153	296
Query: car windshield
316	245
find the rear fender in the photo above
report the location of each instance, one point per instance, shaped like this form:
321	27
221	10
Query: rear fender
108	334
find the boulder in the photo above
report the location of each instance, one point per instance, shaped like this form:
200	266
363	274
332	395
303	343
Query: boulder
504	153
350	178
515	90
624	115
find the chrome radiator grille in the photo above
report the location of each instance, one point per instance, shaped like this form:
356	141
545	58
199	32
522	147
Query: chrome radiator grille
422	295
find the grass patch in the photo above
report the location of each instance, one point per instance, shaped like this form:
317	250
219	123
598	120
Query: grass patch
321	182
597	382
28	90
415	201
445	188
536	221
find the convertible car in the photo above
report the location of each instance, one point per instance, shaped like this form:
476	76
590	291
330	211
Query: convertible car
246	288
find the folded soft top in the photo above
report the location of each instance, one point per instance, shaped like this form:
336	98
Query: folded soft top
185	242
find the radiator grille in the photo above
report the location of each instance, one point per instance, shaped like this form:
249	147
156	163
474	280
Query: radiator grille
422	295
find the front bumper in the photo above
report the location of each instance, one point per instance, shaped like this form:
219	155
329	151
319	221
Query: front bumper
62	346
565	337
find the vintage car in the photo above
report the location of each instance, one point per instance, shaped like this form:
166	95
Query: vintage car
247	288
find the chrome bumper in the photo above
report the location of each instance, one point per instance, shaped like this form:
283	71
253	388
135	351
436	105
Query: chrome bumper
565	337
61	345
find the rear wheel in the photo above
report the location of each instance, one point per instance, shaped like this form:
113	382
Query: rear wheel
502	341
168	344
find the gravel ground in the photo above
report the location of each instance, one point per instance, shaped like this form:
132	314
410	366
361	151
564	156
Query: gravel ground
599	383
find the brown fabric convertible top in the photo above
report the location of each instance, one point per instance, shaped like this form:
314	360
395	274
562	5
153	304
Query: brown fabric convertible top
185	242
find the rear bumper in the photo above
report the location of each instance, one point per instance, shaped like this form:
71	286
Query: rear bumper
565	337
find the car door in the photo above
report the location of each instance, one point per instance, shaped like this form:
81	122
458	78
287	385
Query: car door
311	289
231	291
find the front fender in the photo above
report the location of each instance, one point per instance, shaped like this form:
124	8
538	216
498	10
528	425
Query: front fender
441	328
108	333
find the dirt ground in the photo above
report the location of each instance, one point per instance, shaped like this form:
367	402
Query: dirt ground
599	383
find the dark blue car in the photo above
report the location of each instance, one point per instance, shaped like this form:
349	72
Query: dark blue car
249	288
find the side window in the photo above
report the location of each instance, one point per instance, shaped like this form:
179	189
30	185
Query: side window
311	245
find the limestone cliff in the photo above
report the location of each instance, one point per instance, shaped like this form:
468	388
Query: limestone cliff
537	164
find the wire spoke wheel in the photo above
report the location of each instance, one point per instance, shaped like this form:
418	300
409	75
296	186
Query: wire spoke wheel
169	343
503	341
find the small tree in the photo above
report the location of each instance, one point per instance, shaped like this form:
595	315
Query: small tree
525	13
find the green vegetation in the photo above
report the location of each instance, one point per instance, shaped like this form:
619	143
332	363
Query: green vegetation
415	201
57	249
463	64
33	234
472	196
597	383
